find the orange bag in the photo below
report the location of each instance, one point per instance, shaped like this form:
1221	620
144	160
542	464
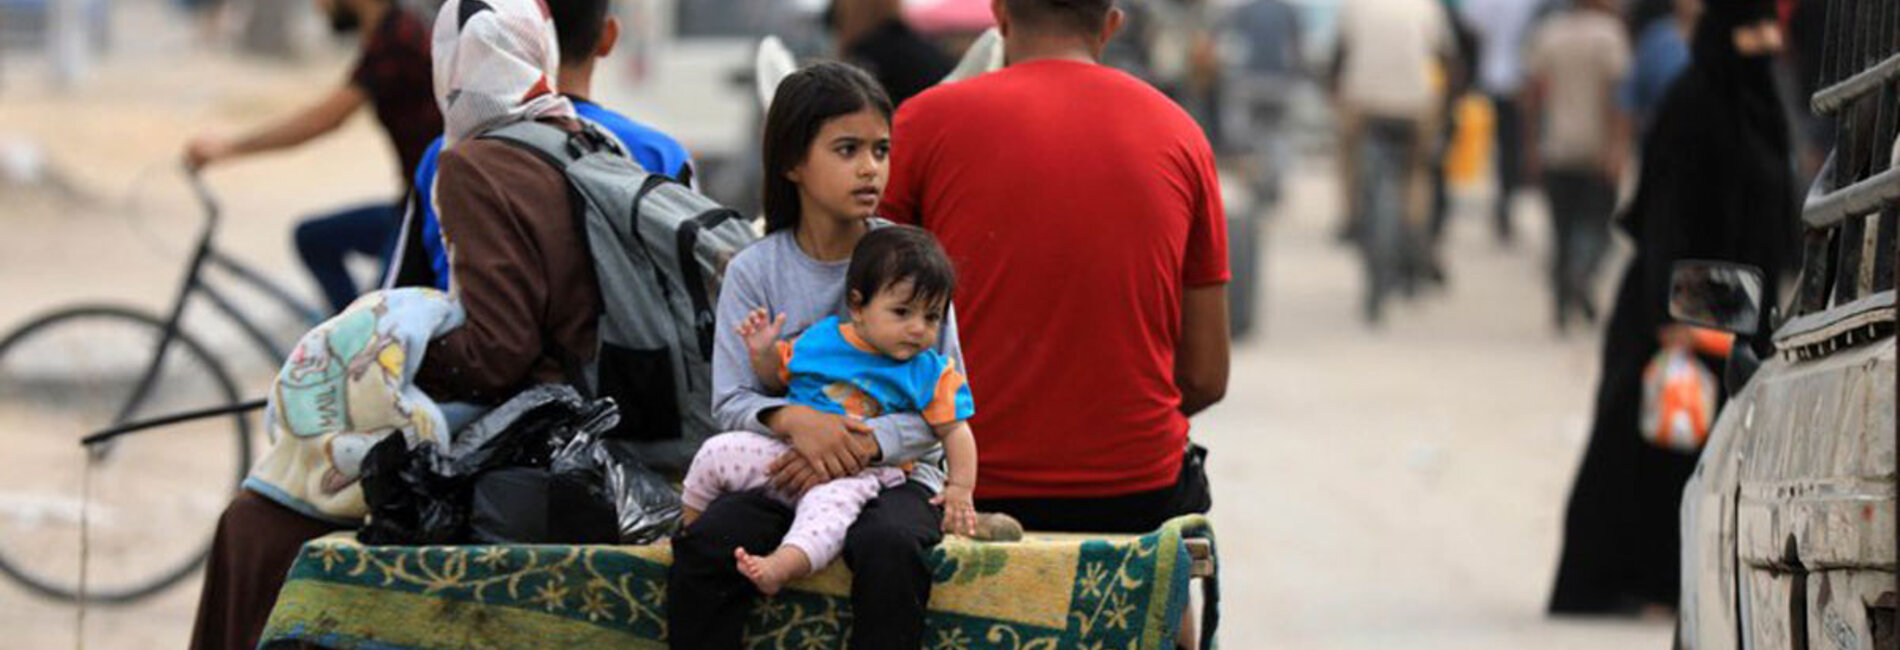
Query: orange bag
1679	396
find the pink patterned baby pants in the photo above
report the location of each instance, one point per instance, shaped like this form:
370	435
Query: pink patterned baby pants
737	461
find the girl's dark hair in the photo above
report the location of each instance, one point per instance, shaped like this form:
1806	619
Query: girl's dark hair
892	254
802	104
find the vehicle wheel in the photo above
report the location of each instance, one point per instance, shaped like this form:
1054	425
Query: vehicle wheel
155	495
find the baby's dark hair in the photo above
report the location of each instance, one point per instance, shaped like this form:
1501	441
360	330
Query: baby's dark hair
892	254
801	105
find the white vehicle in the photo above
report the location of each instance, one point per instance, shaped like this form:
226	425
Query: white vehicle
1788	524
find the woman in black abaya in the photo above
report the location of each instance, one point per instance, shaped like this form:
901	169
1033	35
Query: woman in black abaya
1717	182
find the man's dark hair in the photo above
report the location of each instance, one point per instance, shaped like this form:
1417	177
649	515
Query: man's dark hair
577	25
801	106
890	255
1080	16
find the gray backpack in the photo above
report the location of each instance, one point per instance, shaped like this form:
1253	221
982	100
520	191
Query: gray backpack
660	250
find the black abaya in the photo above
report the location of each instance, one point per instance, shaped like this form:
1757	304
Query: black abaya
1717	183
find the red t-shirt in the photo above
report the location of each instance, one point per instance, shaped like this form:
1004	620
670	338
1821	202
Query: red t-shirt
395	71
1077	203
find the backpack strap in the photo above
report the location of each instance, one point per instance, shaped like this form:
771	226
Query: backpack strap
555	143
687	240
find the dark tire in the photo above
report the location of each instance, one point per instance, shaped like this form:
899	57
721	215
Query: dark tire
155	495
1382	223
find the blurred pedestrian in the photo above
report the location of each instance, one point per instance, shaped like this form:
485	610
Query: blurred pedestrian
1263	66
1390	75
1263	71
391	76
1502	27
1662	53
872	34
1577	60
1185	63
1716	183
1459	72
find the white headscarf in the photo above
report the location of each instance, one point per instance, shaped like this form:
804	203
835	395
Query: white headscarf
495	63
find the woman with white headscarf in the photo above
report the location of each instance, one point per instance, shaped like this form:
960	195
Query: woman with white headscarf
518	264
520	269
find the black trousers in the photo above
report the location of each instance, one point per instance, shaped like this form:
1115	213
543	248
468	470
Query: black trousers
1139	512
1581	203
708	599
1510	158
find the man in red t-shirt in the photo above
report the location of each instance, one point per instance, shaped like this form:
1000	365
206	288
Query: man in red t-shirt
1083	212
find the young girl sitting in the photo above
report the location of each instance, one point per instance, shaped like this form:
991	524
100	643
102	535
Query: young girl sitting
882	360
826	145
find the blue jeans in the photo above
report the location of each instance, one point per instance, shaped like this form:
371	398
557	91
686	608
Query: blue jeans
324	242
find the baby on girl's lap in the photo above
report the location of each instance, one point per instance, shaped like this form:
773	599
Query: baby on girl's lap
880	358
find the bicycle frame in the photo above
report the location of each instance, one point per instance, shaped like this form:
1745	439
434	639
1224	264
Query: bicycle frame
204	254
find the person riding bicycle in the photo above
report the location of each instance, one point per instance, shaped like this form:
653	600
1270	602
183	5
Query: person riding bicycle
587	33
1387	100
392	77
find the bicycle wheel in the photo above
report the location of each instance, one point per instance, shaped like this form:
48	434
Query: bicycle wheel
1382	219
155	495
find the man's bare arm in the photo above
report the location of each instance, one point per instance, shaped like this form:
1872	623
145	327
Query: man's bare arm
314	120
1200	361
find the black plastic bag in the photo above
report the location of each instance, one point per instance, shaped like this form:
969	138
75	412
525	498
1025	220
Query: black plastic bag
647	508
423	495
408	503
532	505
522	432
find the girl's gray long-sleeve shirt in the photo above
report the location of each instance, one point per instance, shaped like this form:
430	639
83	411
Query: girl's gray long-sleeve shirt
776	274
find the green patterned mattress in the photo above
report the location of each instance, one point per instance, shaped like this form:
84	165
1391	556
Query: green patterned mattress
1046	592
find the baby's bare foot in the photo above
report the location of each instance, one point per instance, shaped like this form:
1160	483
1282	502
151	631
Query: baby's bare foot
771	572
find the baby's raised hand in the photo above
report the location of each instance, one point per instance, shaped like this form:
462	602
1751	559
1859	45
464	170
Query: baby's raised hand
760	331
959	510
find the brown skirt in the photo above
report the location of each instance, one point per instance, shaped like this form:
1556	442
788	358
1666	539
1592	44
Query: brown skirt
257	541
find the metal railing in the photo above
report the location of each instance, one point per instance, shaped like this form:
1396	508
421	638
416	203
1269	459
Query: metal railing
1851	208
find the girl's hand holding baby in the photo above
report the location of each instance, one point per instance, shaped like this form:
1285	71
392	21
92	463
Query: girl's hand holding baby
959	509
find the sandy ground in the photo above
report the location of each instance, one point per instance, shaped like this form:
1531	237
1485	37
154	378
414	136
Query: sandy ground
1395	488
